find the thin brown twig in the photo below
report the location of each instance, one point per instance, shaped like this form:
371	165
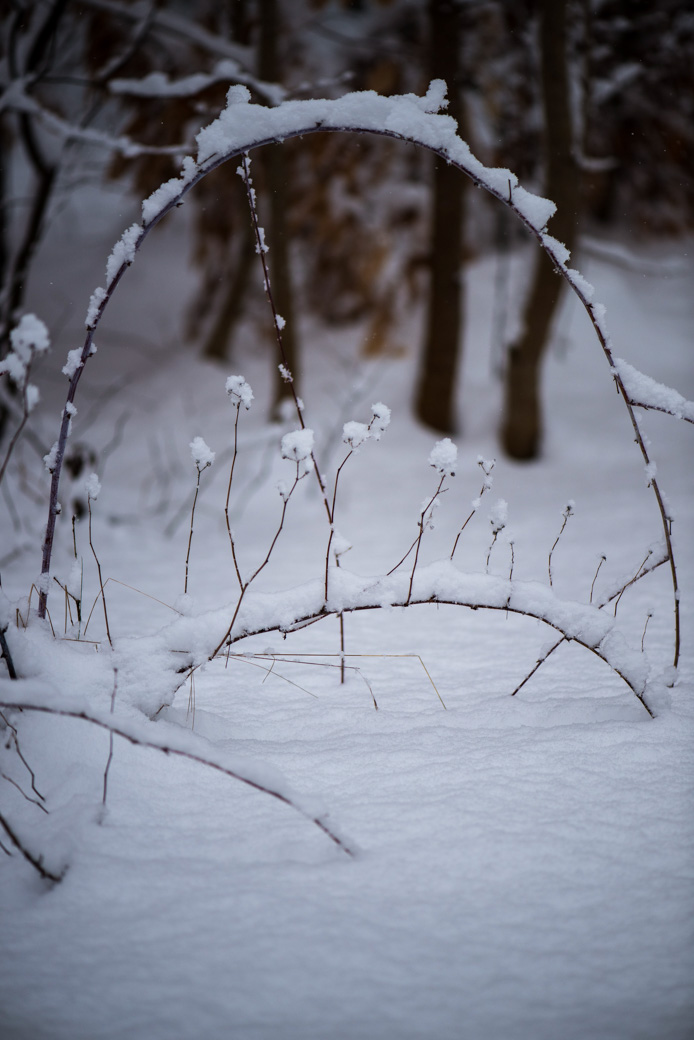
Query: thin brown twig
22	759
234	456
98	568
245	585
485	487
36	861
568	511
595	577
110	738
420	536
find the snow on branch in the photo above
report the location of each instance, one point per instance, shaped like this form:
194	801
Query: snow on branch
441	582
243	126
175	24
16	100
158	84
39	697
646	393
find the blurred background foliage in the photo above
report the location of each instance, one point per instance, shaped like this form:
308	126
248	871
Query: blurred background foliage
351	220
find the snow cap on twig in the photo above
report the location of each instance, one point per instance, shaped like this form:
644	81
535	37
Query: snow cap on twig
239	391
443	457
28	338
381	419
354	434
297	445
202	455
92	486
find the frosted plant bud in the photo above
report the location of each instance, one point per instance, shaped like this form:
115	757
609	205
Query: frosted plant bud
381	419
30	335
15	368
354	434
498	515
92	486
443	457
239	391
297	445
202	456
74	581
32	397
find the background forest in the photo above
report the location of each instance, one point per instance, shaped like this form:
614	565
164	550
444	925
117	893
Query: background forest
590	102
314	723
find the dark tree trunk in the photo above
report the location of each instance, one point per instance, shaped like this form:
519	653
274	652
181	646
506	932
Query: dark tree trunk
436	388
217	344
521	432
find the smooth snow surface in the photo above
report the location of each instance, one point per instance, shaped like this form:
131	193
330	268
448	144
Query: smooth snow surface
524	866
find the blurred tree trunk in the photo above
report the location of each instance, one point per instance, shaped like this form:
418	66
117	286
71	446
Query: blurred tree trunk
216	346
275	169
522	419
435	396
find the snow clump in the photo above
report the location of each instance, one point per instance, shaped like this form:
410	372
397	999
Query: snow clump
498	515
92	486
381	419
74	361
123	252
239	391
443	457
28	338
354	434
202	455
297	446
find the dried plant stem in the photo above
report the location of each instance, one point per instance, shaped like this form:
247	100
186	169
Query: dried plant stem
245	172
22	759
595	577
538	664
495	535
639	573
110	738
487	470
422	527
245	584
98	568
27	797
36	861
566	514
22	423
643	635
6	655
319	615
192	521
230	533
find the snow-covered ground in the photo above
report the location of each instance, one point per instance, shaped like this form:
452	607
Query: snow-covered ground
524	866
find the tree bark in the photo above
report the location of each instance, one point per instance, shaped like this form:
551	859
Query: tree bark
521	432
436	387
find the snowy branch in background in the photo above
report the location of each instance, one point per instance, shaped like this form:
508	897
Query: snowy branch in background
28	339
16	100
